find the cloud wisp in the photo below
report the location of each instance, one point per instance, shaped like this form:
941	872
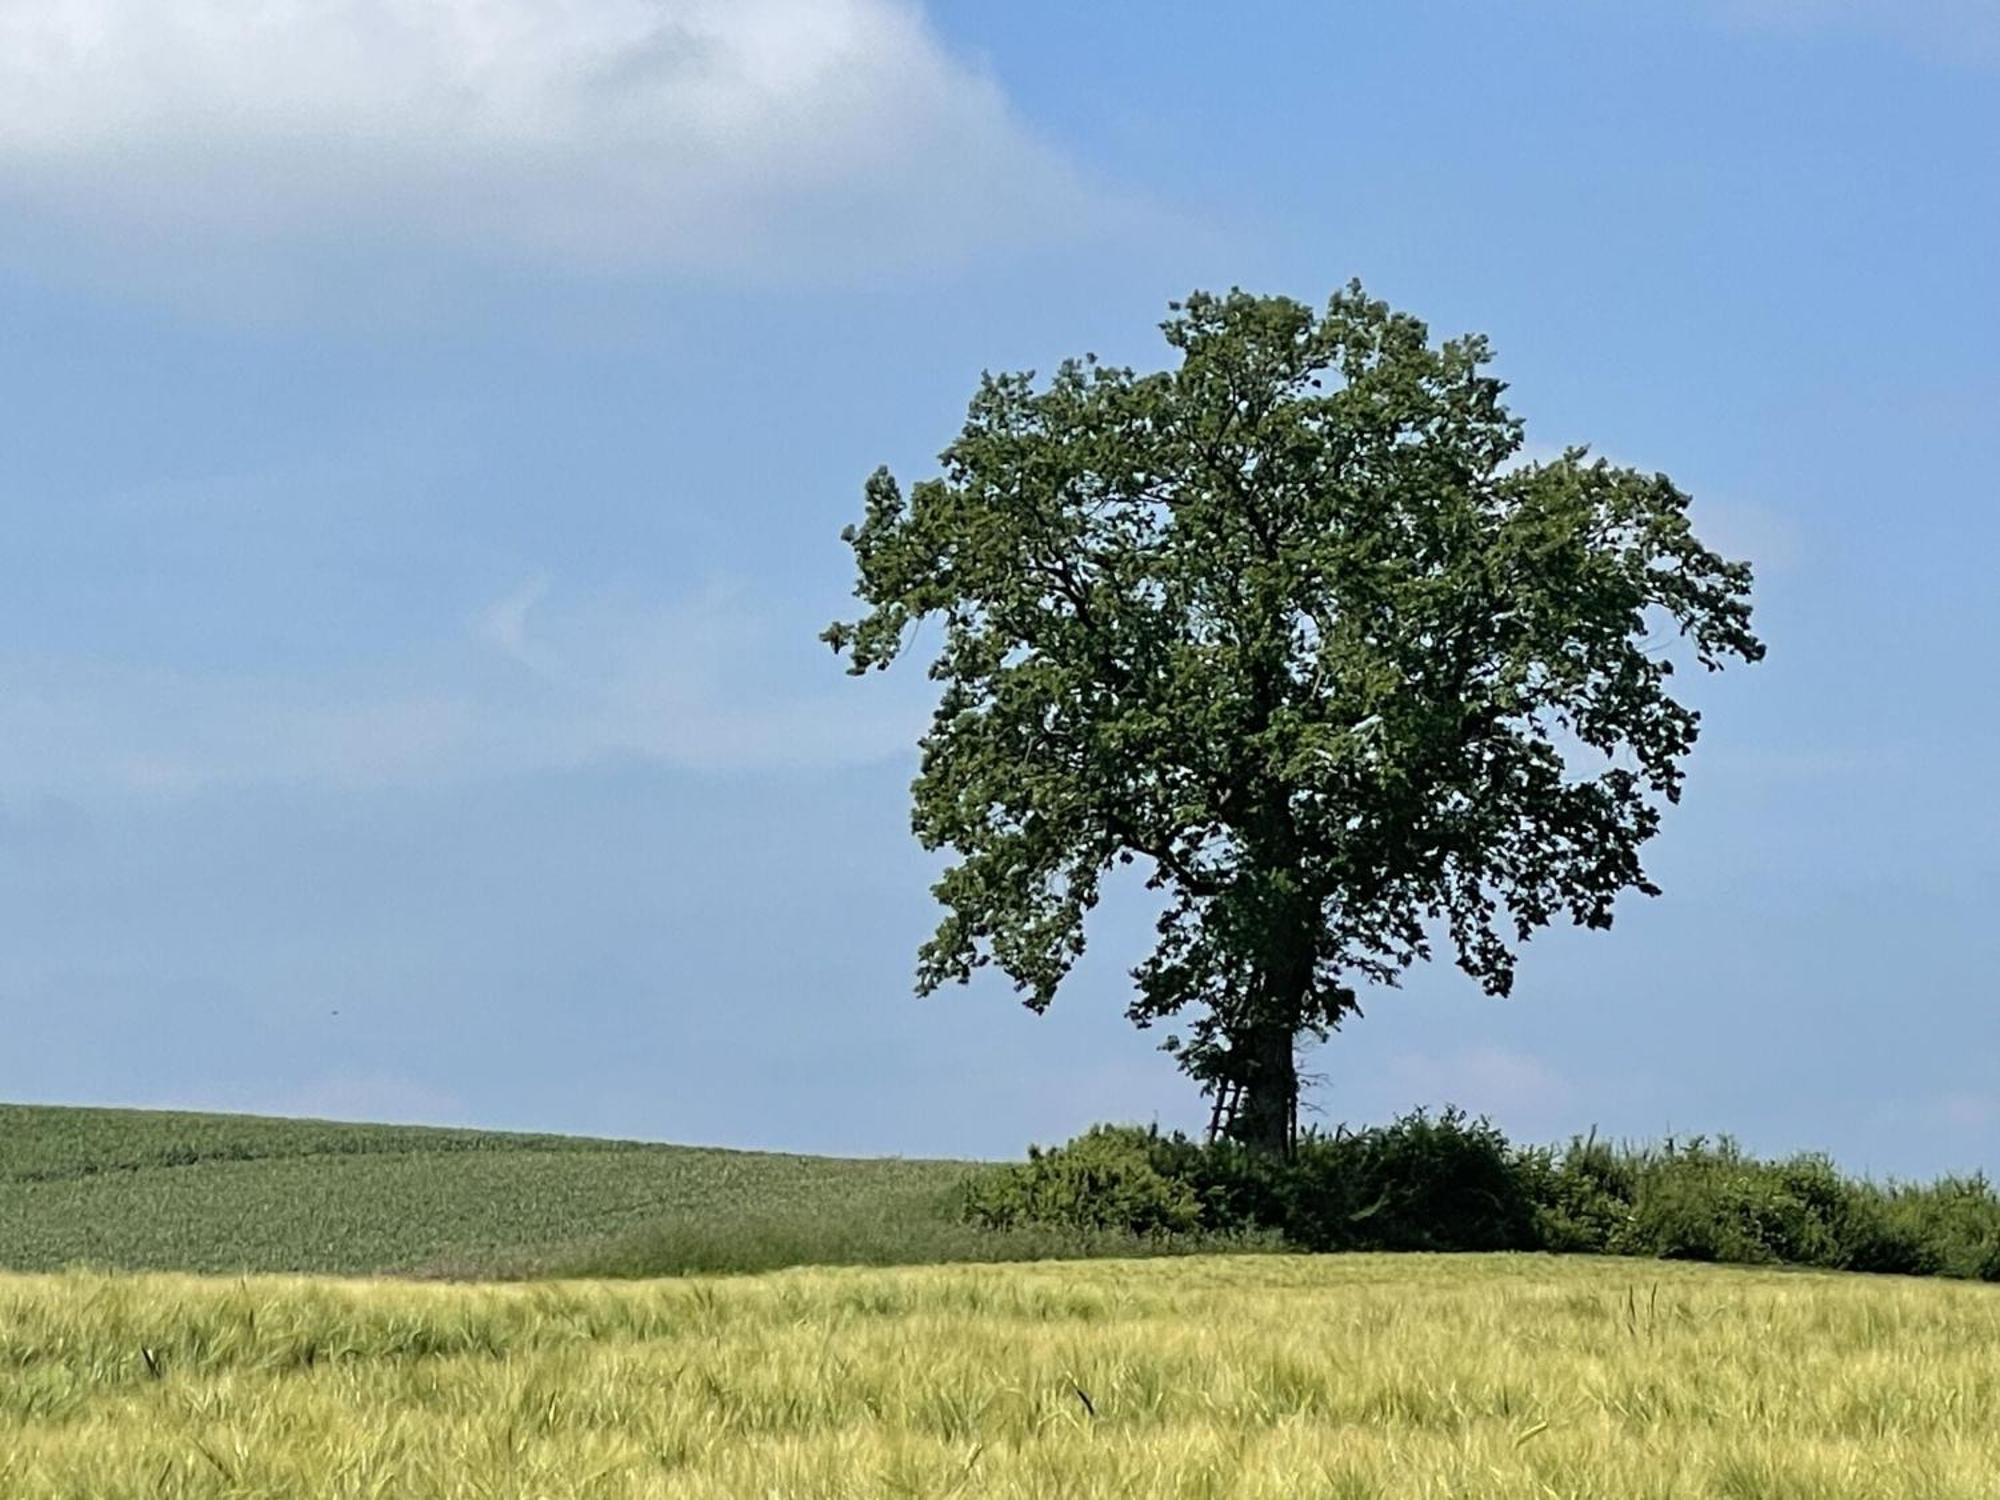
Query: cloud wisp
538	683
760	138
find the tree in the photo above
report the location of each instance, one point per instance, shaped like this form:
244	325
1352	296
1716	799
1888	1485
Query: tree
1291	625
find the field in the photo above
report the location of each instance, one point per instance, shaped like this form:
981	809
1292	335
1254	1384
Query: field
137	1190
1243	1377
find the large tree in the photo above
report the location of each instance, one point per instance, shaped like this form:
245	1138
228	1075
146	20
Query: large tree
1292	625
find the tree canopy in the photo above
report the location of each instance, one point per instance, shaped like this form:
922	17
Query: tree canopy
1292	625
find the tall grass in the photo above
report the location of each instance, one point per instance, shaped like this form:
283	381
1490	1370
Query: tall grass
1250	1378
908	1229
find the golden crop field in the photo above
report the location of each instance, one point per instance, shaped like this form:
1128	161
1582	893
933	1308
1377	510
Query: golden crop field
1255	1376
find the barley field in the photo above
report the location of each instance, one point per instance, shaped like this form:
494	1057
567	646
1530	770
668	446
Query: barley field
1242	1377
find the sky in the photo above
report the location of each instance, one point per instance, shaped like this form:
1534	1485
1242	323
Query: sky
426	426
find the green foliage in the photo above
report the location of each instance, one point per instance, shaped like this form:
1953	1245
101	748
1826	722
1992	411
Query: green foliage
1103	1180
1879	1238
1957	1219
1697	1200
1289	625
1711	1204
1448	1183
1583	1195
1422	1182
135	1190
49	1143
983	1218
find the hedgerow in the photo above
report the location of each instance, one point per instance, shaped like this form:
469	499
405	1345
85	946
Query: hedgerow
1450	1182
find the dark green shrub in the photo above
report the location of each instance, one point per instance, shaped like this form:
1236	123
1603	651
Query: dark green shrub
1957	1219
1693	1205
1423	1182
1987	1267
1809	1212
1104	1180
1696	1201
1446	1182
1239	1189
1884	1241
1583	1196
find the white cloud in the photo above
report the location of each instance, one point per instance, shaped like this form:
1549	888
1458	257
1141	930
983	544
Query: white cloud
734	136
698	682
504	623
539	682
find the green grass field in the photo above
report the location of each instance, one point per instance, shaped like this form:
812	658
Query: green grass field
1241	1376
137	1190
1230	1378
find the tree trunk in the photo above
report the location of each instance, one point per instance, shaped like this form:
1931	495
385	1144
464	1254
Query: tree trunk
1268	1117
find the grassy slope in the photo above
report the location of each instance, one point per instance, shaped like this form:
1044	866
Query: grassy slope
1247	1377
134	1190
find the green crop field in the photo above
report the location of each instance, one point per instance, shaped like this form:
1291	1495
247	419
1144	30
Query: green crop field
137	1190
1242	1376
1232	1378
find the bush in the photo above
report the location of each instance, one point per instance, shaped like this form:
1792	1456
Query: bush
1104	1180
1697	1201
1956	1219
1420	1183
1583	1196
1446	1182
1885	1241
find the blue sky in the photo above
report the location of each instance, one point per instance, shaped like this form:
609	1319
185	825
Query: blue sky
427	429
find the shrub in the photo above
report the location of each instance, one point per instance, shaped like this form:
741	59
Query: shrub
1885	1241
1446	1182
1419	1183
1239	1190
1697	1201
1957	1219
1104	1180
1583	1196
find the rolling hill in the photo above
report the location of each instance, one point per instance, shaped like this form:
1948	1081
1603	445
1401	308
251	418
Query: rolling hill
146	1190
